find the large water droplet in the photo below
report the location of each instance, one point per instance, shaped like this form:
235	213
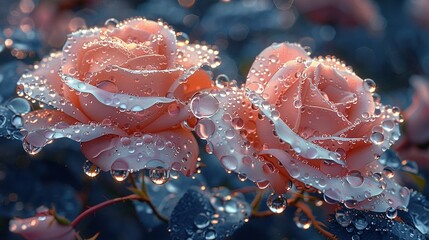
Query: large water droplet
19	106
205	128
182	39
111	23
108	85
90	169
343	218
369	85
159	176
391	213
360	223
222	80
377	138
201	221
30	149
276	203
355	178
231	206
204	105
119	175
210	234
229	162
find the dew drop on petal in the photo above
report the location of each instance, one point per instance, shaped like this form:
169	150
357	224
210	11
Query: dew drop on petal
159	176
111	23
276	203
182	39
388	172
369	85
90	169
30	149
108	85
119	175
222	80
377	138
205	128
391	213
229	162
355	178
204	105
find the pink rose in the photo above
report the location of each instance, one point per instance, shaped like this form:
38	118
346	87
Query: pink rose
413	145
312	121
349	13
43	226
122	91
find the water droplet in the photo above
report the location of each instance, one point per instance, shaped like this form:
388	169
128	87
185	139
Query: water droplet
297	103
222	80
204	105
388	125
201	221
231	206
391	213
205	128
301	220
17	121
159	176
182	39
377	138
404	192
19	106
30	149
90	169
388	172
119	175
108	85
369	85
242	177
276	203
111	23
210	234
360	223
343	218
229	162
275	115
355	178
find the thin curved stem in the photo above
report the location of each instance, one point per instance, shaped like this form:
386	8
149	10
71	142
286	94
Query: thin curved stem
107	203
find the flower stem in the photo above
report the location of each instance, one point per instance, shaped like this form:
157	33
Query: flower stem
107	203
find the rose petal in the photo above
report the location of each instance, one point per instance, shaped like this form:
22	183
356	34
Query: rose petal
174	149
230	133
42	227
142	30
45	85
349	188
122	101
269	62
301	146
42	126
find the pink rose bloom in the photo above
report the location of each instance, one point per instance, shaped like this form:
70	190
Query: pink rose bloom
43	226
413	145
348	13
310	121
122	91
